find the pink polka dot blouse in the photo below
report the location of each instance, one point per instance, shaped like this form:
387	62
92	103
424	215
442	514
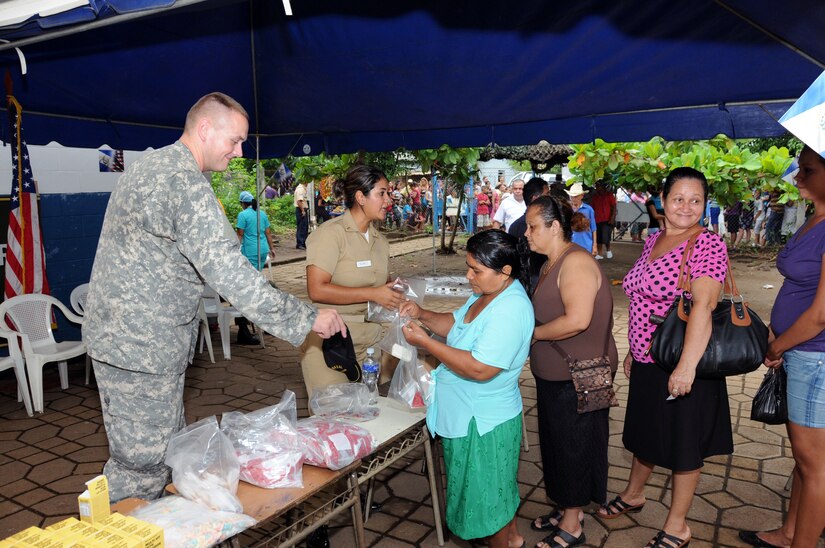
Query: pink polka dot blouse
651	285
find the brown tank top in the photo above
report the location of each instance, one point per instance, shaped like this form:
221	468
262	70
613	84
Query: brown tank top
545	362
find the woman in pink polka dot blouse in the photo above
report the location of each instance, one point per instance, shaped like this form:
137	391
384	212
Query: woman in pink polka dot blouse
673	420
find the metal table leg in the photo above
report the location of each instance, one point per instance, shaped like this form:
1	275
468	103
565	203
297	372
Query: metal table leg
357	518
435	491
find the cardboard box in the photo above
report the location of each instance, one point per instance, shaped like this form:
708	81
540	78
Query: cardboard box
93	503
151	535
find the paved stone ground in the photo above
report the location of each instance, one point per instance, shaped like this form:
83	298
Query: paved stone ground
46	459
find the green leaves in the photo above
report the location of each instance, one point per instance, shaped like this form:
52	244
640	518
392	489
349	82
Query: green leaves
732	169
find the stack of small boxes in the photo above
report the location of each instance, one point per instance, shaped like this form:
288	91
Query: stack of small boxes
97	527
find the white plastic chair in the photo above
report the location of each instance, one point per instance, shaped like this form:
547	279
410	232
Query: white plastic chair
203	328
225	314
78	301
15	360
31	315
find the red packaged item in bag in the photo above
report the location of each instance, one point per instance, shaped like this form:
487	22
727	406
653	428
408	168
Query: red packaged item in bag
333	443
267	444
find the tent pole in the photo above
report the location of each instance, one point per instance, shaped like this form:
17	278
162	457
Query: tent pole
258	192
771	35
432	186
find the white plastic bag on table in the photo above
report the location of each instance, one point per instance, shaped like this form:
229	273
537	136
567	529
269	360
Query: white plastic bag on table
191	525
394	342
204	466
267	444
333	443
413	289
347	401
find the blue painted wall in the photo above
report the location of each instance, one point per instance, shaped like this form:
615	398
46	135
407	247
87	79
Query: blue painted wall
71	225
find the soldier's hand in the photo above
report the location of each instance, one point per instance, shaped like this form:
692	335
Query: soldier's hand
328	322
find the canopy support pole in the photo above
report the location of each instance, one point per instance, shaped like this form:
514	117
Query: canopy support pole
258	191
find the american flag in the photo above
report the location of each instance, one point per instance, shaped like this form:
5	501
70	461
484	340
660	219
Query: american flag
25	260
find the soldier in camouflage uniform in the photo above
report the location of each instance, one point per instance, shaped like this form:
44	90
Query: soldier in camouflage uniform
164	236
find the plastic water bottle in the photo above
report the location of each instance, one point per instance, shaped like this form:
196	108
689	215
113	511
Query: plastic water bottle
370	375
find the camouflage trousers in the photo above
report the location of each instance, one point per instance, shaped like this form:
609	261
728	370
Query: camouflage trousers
141	411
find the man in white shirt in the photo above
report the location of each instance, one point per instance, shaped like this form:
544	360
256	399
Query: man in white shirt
511	208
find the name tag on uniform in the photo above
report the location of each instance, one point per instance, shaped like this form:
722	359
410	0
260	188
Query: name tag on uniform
363	264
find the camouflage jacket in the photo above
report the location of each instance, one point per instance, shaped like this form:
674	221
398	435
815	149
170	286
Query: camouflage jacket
163	236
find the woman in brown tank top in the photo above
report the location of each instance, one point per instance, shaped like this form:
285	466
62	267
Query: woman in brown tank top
573	307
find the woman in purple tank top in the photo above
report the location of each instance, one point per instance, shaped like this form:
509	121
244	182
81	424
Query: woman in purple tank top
798	330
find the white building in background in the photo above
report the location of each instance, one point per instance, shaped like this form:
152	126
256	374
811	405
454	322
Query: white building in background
494	168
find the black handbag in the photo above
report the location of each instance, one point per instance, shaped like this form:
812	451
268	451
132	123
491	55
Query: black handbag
770	404
738	340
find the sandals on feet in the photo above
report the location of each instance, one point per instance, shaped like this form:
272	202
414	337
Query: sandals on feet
549	521
618	507
752	538
663	540
569	540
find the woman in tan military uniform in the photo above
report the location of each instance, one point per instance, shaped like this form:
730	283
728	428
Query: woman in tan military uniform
348	265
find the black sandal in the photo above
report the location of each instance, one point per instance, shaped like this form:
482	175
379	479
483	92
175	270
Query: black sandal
550	540
546	520
621	508
663	540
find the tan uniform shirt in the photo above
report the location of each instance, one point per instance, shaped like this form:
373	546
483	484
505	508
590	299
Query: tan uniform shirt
338	248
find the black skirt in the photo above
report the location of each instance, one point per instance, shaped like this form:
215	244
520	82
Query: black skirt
573	446
678	434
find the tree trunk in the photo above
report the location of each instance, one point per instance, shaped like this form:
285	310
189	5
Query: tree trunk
457	217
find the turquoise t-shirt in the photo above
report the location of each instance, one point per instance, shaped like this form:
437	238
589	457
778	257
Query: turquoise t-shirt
499	337
249	246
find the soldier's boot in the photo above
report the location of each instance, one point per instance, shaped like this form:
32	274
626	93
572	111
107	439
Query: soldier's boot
245	336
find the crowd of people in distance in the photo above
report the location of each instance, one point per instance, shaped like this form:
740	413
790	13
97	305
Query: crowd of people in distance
756	222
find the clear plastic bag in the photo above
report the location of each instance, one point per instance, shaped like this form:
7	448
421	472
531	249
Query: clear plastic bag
267	444
412	383
394	341
413	289
333	443
192	525
204	466
347	401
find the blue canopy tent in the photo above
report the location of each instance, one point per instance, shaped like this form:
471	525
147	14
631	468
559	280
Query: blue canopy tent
378	75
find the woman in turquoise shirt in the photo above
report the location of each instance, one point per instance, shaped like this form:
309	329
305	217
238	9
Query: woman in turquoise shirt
477	404
247	227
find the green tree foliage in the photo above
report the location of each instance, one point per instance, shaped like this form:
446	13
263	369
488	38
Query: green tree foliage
732	169
315	168
240	176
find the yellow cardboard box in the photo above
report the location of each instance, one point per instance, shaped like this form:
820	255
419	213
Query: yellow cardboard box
151	535
94	501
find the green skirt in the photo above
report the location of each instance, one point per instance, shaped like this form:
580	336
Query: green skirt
482	488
